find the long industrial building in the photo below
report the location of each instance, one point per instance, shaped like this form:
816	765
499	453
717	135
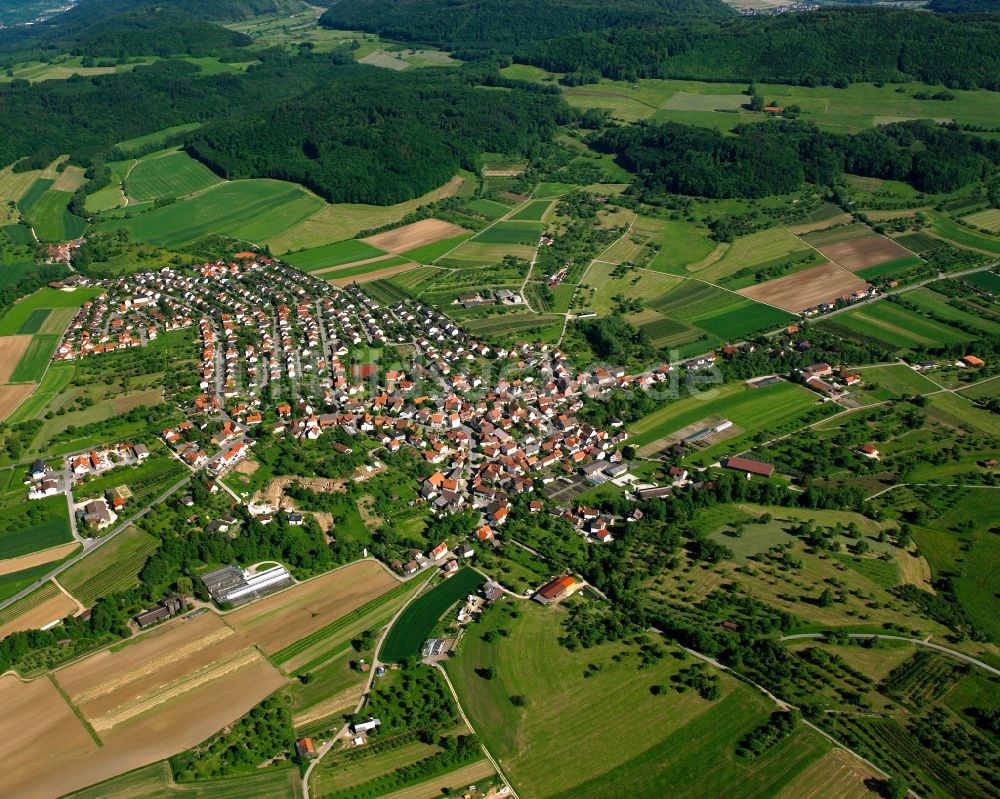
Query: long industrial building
235	585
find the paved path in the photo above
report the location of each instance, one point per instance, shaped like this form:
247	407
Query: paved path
916	641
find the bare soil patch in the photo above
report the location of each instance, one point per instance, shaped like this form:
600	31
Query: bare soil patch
274	494
246	467
12	396
58	607
12	565
409	237
38	727
862	253
283	618
378	274
179	722
11	350
805	289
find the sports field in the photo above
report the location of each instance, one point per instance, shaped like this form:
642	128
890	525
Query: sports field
607	735
411	629
253	210
171	175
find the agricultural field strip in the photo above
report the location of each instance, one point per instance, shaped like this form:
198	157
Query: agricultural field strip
286	654
107	686
181	685
505	217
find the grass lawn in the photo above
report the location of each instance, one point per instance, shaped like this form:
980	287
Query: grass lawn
175	174
931	302
510	233
158	137
606	735
747	251
958	410
536	210
896	380
683	244
342	252
253	210
56	380
411	629
51	218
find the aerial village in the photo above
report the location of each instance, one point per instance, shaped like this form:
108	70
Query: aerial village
492	423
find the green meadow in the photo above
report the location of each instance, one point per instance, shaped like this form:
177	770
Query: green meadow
252	210
175	174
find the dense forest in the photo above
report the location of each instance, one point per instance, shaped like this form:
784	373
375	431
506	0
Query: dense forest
476	26
697	39
379	138
822	47
776	157
126	28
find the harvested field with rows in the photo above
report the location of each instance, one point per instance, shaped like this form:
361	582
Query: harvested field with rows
285	617
818	284
419	234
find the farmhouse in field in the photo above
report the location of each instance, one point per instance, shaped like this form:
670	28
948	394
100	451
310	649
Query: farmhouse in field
305	748
366	726
236	585
557	589
749	467
166	608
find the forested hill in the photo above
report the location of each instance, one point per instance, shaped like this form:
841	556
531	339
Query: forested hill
505	25
822	47
776	157
379	138
125	28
